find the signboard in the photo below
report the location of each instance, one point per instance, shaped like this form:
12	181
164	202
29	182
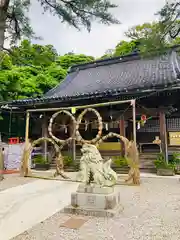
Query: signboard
13	155
110	146
174	138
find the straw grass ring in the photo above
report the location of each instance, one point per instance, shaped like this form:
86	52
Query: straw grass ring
79	138
61	141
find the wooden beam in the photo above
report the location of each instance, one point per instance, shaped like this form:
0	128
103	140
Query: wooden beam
81	107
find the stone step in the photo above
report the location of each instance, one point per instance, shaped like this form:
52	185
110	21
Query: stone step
148	157
147	160
147	163
148	170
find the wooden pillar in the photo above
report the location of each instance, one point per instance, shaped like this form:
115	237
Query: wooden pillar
122	127
163	134
45	134
24	170
134	119
74	150
27	128
122	133
73	143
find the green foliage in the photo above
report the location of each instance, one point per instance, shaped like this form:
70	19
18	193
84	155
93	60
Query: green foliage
120	161
124	48
82	12
39	159
33	54
10	84
17	20
176	158
175	41
31	70
5	61
160	163
67	61
169	19
68	160
148	38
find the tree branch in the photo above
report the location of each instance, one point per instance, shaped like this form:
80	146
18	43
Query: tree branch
4	4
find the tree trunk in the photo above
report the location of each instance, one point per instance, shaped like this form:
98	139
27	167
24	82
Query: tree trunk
4	4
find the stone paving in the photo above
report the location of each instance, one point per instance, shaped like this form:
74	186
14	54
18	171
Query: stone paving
13	180
24	206
151	212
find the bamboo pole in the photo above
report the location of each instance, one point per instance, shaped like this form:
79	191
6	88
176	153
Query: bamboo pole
80	107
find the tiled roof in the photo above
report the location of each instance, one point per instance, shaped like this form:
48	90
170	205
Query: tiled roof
123	74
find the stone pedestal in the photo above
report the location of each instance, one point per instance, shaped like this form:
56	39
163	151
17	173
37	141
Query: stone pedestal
95	201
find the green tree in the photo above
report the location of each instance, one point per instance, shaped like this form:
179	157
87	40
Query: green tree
175	41
33	54
148	37
69	60
170	19
15	22
24	73
108	54
24	81
124	48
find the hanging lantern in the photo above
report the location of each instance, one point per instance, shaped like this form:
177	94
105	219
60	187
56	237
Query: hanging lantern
73	110
143	119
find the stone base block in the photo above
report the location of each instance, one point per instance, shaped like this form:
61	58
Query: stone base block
94	204
96	189
93	212
95	201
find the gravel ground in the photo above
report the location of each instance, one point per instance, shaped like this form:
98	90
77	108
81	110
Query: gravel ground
151	212
13	180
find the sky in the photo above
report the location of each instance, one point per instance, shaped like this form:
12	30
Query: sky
101	38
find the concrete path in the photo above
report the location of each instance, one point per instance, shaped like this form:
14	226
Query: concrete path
24	206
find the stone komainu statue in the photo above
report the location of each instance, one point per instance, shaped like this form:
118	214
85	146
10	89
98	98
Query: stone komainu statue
91	162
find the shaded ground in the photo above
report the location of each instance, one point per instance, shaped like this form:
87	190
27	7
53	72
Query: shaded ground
13	180
151	212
